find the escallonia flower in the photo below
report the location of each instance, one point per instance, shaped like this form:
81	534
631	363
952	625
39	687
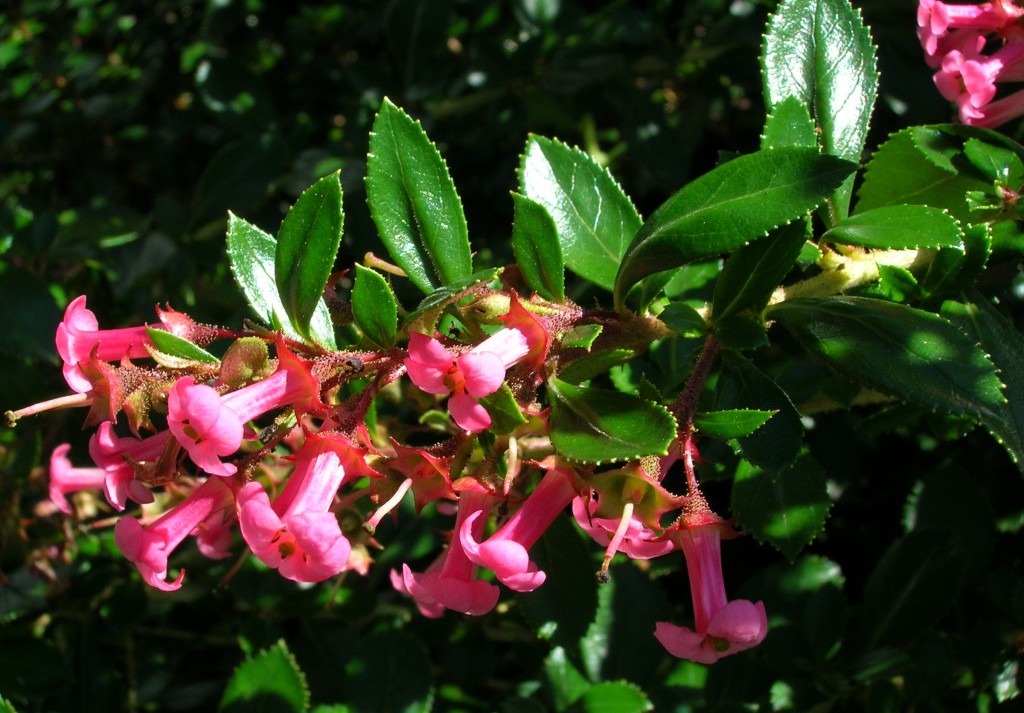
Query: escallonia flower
467	377
298	534
721	627
79	338
506	552
450	581
122	458
211	426
936	19
66	478
150	546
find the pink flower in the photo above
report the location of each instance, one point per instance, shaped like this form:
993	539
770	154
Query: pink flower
971	79
79	335
119	458
468	377
149	547
298	535
995	113
935	19
633	538
721	627
211	426
506	551
65	478
204	425
450	582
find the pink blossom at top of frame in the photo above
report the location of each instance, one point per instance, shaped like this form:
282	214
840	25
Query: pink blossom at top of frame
935	19
972	78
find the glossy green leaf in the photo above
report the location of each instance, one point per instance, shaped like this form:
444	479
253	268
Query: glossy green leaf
537	250
897	350
820	52
174	346
307	244
898	227
413	202
789	124
995	162
683	319
599	426
422	319
251	255
594	364
731	424
953	271
741	332
741	385
271	678
505	413
594	218
1004	344
612	697
752	273
899	598
786	509
731	205
900	172
374	307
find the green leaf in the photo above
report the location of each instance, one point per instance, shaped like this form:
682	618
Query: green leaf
897	350
174	346
566	682
594	218
413	202
731	205
251	255
1004	343
374	307
683	319
995	162
900	172
271	680
506	416
741	385
598	425
307	244
898	227
787	509
899	598
423	318
6	707
820	52
789	124
953	271
537	250
612	697
735	423
594	364
752	273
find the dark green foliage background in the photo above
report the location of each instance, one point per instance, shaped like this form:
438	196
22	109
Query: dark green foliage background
129	129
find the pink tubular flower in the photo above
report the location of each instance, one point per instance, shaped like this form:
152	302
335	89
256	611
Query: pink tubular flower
721	627
65	478
211	426
79	334
298	535
119	457
633	538
468	377
935	19
149	546
506	551
450	582
995	113
971	79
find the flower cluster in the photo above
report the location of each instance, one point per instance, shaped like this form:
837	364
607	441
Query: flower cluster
280	450
974	48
